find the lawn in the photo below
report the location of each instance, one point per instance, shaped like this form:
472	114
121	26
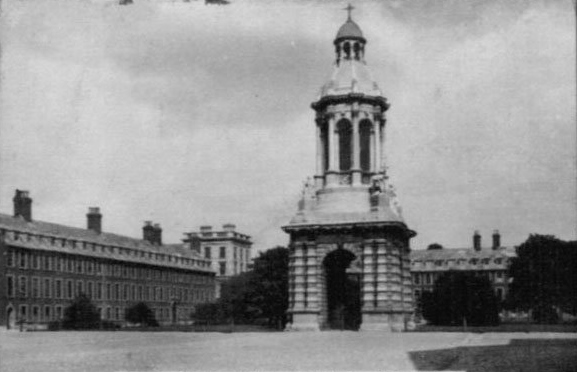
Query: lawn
288	351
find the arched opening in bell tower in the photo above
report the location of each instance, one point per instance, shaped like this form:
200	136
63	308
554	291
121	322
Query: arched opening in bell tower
343	291
365	129
325	146
345	149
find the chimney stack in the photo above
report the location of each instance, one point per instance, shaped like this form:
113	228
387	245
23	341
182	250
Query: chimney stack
229	227
476	241
94	219
23	205
148	232
496	239
157	234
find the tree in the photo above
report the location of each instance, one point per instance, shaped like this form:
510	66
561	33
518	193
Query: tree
81	314
237	298
461	298
544	278
140	313
271	284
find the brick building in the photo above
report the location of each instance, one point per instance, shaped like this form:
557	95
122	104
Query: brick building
428	265
44	265
228	250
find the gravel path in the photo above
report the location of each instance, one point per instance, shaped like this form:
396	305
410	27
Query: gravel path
135	351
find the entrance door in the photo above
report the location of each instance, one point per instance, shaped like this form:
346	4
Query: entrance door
343	291
10	318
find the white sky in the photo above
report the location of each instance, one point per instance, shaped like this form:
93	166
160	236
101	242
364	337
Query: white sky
188	114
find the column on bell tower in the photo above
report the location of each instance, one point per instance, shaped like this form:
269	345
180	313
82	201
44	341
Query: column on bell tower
377	142
356	149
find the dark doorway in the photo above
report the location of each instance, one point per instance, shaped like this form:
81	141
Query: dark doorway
343	291
10	318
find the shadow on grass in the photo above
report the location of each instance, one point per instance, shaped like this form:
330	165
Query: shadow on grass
555	355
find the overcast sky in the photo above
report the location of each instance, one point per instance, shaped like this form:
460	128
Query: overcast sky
188	114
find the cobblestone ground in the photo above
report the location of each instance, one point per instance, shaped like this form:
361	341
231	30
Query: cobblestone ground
134	351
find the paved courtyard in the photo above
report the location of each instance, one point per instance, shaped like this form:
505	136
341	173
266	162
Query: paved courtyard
152	351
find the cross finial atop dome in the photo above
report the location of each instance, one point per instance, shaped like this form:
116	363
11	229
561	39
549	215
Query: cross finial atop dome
349	9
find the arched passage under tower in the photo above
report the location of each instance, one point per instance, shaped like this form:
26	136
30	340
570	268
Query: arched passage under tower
343	291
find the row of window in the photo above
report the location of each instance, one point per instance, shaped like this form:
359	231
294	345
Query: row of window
48	313
80	265
67	289
462	261
74	244
430	278
238	253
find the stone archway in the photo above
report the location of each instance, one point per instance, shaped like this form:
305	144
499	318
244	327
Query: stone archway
10	317
343	294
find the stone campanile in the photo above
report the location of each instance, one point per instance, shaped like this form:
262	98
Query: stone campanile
349	245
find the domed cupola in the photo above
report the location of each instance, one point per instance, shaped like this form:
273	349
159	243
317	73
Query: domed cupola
350	42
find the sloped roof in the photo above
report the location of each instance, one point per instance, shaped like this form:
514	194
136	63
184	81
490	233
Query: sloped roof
48	229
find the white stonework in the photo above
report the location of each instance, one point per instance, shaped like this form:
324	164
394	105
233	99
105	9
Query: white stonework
349	253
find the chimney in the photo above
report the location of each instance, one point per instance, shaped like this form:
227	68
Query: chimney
157	234
477	241
94	219
148	232
23	205
496	239
229	227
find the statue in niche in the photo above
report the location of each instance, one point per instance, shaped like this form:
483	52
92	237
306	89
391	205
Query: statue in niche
393	201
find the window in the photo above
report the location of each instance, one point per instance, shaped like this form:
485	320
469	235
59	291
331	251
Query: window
23	312
47	286
500	293
58	312
98	291
23	260
117	291
499	274
58	287
223	268
207	252
23	287
48	263
222	252
35	288
35	261
10	286
69	289
47	313
117	313
89	288
10	258
79	287
125	294
35	313
417	279
108	310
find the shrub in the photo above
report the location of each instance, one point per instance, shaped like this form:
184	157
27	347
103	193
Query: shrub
141	314
81	314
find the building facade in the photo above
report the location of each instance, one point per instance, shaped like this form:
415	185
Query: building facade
492	262
44	266
228	251
349	245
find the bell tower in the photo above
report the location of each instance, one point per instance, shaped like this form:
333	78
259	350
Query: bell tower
349	245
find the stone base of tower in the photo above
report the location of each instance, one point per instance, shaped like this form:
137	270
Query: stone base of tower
304	322
384	322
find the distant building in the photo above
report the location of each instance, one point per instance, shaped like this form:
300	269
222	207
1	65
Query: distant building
228	250
45	265
492	262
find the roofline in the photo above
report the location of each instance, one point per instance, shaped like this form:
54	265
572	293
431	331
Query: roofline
345	98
